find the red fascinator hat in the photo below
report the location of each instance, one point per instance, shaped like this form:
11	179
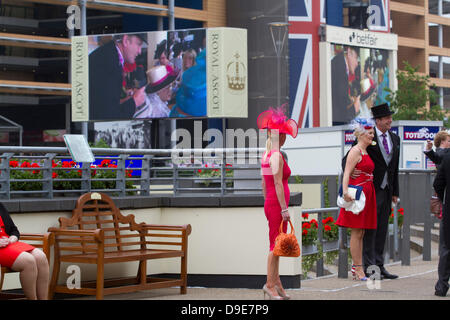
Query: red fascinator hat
275	119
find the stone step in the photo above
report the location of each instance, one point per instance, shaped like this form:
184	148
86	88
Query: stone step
417	231
416	244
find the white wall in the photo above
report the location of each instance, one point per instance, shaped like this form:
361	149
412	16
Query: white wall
223	241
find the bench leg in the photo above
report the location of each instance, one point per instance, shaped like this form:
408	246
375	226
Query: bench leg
100	281
183	274
54	280
142	272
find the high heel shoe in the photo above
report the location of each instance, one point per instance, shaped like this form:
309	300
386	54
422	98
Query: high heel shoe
271	296
355	275
282	294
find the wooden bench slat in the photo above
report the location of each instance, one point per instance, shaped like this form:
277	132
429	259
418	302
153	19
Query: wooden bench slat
78	249
129	255
166	243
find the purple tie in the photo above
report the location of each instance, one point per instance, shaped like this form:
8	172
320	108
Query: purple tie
385	143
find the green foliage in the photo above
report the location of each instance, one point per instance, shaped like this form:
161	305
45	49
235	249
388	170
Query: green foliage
25	174
414	93
99	144
298	179
215	172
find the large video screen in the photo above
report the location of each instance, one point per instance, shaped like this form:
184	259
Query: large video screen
160	75
358	79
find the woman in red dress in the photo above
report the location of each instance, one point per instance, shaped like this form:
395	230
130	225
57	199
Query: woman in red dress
275	173
366	219
19	256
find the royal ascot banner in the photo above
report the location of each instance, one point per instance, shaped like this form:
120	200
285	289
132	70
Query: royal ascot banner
80	79
227	72
192	73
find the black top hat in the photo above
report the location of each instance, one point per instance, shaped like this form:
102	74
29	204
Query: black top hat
381	110
142	36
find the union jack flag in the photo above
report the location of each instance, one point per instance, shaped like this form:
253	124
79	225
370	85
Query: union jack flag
305	17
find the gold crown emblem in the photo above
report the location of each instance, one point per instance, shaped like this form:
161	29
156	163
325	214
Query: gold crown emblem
236	74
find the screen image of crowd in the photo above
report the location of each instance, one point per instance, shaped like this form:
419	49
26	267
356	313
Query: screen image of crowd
147	75
124	134
359	77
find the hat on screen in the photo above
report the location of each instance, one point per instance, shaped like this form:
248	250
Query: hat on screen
275	119
160	77
381	111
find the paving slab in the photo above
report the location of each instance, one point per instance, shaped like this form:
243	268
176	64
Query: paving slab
415	282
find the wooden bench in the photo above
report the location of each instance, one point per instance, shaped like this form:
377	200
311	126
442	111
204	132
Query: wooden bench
97	233
42	241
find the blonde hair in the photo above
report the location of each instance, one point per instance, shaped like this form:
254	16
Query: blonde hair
190	53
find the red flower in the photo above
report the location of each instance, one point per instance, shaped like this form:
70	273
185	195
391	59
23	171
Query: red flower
105	163
25	164
305	215
35	165
305	232
199	171
68	164
306	225
401	211
314	221
54	164
228	165
54	175
327	228
13	163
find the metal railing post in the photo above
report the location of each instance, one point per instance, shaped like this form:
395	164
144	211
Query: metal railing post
406	232
47	174
120	175
86	177
145	175
426	254
343	254
175	179
5	182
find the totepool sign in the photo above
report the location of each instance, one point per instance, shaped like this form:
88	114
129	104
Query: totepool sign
419	133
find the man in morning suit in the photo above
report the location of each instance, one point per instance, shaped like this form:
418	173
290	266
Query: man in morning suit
385	155
343	66
106	77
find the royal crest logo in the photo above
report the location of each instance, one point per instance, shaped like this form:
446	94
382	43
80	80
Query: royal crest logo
236	74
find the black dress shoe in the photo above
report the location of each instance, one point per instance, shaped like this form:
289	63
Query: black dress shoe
440	293
368	275
387	275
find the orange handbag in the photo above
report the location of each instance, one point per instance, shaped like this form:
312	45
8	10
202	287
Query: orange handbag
286	244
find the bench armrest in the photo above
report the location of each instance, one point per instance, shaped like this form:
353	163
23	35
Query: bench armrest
97	234
186	228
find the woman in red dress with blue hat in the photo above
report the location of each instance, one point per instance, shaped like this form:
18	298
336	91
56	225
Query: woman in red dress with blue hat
359	159
19	256
275	173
